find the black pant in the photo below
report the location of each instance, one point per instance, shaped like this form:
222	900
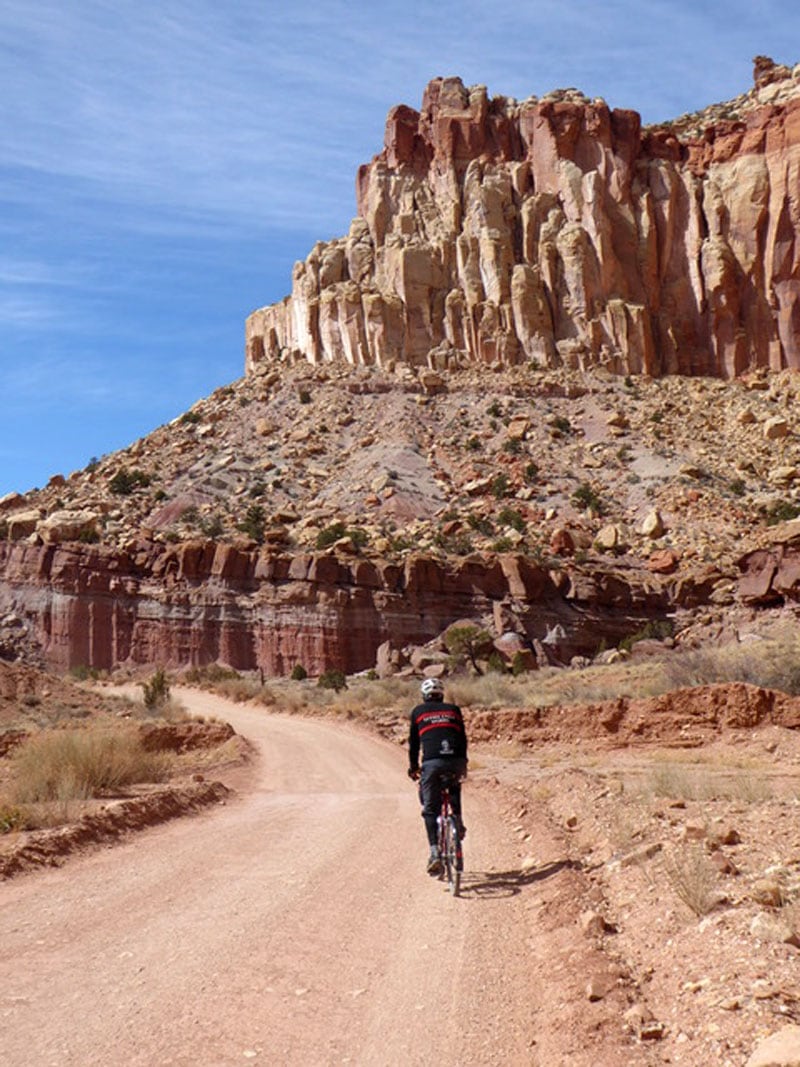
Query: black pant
430	790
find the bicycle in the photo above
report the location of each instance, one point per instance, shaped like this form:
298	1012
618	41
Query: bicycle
451	852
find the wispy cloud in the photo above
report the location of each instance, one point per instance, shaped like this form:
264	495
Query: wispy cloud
248	111
158	154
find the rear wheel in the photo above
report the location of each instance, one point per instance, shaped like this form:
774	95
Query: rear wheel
452	857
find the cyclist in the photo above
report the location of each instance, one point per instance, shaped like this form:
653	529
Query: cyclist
437	728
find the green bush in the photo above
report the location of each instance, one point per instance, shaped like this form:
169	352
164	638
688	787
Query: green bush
254	523
212	527
299	673
513	446
499	486
518	664
496	664
332	679
588	498
124	481
481	524
784	511
189	418
466	643
331	534
511	517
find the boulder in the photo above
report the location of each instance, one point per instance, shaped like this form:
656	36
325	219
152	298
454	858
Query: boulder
782	1049
68	526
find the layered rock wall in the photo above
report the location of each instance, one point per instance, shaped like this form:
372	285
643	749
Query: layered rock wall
560	231
202	602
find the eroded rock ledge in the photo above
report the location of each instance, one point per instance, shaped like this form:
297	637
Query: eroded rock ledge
201	602
560	231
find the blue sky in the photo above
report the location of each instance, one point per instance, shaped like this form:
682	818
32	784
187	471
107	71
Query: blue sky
163	164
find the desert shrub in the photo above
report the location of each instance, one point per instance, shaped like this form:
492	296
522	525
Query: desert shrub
502	544
304	396
456	544
771	664
511	517
513	446
466	643
237	689
518	664
81	673
481	524
254	523
332	679
473	444
11	818
494	410
531	471
783	511
737	487
299	673
562	424
500	486
585	496
330	534
210	673
483	691
358	536
496	664
212	527
189	418
653	629
78	764
155	692
124	481
692	877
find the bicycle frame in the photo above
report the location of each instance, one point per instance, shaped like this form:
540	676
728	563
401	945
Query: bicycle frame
449	842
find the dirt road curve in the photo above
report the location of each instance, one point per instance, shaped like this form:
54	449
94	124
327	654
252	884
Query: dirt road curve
293	926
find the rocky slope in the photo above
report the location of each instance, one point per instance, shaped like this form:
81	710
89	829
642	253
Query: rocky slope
335	515
559	231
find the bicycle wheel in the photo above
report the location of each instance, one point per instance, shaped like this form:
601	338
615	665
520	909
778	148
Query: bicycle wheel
452	861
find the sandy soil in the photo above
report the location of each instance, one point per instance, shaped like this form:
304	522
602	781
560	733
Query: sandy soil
294	925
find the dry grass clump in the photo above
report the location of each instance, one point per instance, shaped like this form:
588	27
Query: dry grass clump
692	877
78	764
770	663
673	780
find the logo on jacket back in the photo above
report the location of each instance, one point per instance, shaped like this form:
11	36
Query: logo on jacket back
446	748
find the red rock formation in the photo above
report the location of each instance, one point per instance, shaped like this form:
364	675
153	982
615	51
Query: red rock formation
557	230
201	602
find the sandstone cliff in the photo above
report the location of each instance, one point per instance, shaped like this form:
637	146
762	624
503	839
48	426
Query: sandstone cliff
201	602
561	232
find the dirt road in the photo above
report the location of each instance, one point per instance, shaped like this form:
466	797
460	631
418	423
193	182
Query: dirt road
295	925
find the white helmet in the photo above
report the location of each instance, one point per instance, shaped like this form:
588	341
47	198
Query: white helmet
432	689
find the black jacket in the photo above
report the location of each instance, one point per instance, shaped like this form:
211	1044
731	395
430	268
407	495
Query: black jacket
439	729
